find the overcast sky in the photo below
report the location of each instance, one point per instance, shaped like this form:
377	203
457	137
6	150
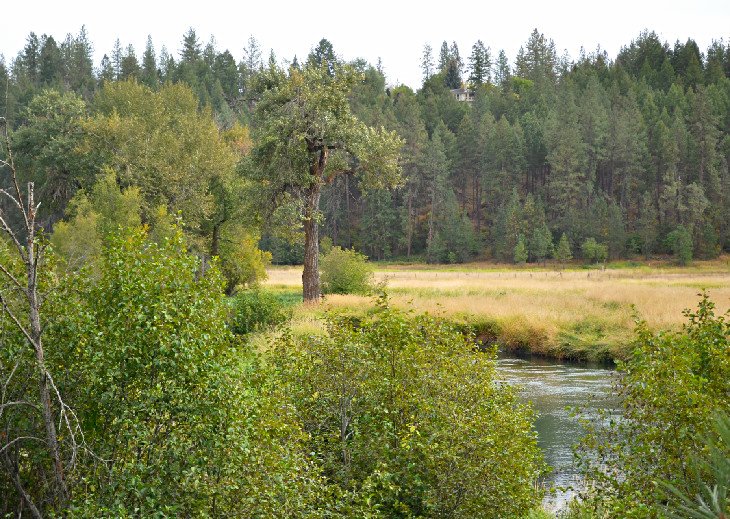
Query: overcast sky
393	30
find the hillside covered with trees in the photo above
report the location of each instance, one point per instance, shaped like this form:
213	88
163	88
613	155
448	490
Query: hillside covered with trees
632	152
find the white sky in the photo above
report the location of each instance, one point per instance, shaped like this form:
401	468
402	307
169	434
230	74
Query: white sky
394	30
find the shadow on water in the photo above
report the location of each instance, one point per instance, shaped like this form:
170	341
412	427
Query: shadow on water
554	388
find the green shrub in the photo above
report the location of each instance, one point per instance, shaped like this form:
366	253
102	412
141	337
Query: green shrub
711	470
680	243
255	309
520	252
345	271
593	251
671	389
563	252
405	412
190	424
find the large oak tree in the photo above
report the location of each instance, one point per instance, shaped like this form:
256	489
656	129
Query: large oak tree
306	136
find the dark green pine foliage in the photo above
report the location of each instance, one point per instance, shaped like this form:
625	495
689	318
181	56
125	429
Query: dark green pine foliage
480	64
149	74
624	150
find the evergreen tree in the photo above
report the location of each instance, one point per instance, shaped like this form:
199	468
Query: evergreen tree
502	71
191	49
537	59
541	243
323	55
130	65
480	64
563	252
51	65
453	77
29	59
116	58
444	56
520	251
80	68
427	64
149	75
106	70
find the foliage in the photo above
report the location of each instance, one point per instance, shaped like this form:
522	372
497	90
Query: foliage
178	415
93	218
593	251
671	388
242	262
520	253
680	242
162	144
306	137
563	251
401	408
256	309
345	271
712	472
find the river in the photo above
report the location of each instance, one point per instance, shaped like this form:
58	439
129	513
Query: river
553	387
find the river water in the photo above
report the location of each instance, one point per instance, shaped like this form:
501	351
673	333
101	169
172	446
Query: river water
553	387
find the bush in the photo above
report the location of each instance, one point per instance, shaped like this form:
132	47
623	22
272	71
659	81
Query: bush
255	309
593	251
193	426
680	243
345	271
520	252
671	388
403	410
562	252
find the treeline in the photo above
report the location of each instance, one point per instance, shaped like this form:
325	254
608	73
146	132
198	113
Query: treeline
632	153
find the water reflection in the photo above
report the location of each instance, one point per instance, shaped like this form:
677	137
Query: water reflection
554	388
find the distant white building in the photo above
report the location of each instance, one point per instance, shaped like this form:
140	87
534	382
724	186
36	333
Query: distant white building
463	94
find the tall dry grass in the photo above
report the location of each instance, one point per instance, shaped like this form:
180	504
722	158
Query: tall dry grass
585	313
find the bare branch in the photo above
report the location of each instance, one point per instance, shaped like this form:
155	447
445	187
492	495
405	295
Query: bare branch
17	323
7	194
18	439
5	227
13	279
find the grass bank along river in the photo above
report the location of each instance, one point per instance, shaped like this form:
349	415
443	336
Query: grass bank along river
573	313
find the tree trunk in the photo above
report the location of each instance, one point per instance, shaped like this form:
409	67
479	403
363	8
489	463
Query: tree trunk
310	275
215	240
43	381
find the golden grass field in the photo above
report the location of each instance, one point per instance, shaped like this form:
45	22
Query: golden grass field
571	313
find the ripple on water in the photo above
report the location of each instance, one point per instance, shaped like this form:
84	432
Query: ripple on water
553	387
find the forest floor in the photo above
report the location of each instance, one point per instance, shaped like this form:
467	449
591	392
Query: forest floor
574	312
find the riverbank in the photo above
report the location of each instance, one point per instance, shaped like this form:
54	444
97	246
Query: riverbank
575	313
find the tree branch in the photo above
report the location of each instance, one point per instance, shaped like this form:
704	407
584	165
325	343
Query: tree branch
17	323
13	279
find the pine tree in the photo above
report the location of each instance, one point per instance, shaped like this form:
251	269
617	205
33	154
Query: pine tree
51	66
427	62
190	52
502	72
116	58
520	251
149	75
130	65
480	64
444	56
563	251
106	70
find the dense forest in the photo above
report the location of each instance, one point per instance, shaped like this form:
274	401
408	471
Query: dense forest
631	152
137	196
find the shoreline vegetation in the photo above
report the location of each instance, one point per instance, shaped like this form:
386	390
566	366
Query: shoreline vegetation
572	313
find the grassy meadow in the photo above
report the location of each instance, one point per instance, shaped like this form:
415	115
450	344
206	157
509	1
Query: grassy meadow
570	313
